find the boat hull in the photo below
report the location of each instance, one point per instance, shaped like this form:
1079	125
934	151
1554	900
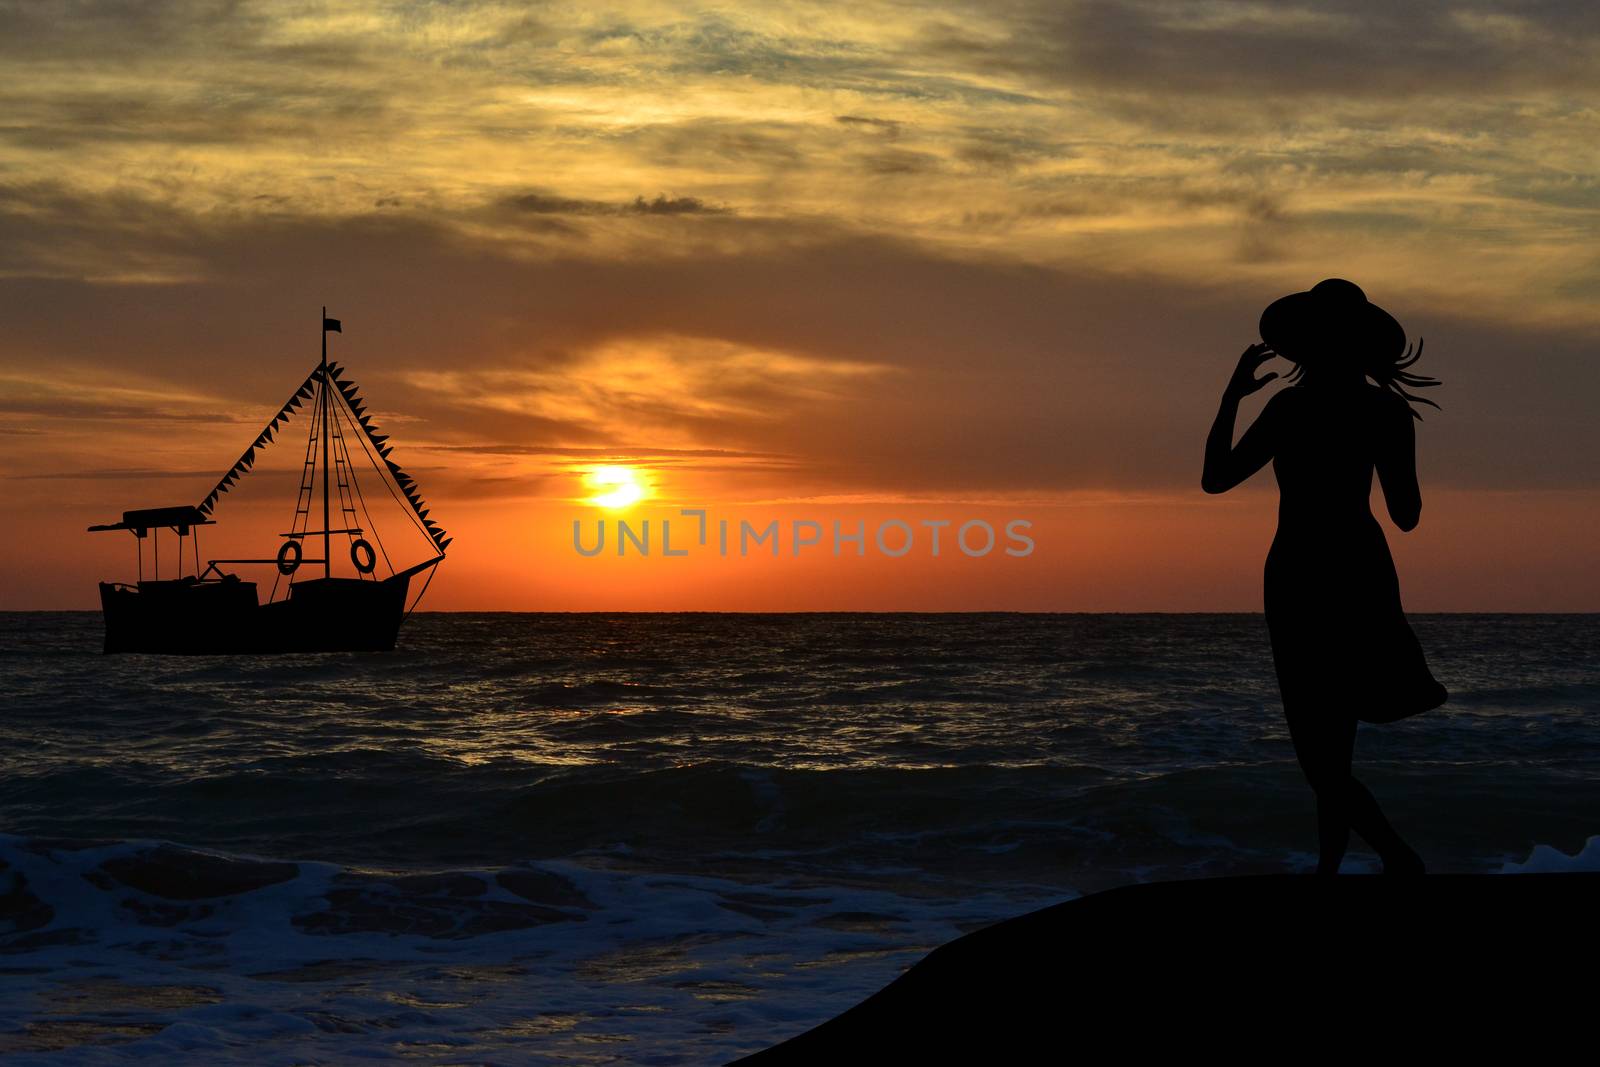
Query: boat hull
190	617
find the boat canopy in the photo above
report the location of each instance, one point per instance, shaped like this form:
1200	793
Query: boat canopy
179	518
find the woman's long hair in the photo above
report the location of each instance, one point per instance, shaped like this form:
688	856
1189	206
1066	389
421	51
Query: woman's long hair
1392	374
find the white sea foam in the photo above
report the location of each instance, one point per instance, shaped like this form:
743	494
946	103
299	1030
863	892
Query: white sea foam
1547	860
659	969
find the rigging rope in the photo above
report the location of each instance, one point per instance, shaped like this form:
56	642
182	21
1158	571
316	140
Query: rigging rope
402	489
409	512
303	491
407	484
346	478
362	498
404	509
424	589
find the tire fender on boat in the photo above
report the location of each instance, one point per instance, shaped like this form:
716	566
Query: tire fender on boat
289	557
362	556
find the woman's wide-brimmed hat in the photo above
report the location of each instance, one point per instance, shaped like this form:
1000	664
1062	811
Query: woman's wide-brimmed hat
1332	314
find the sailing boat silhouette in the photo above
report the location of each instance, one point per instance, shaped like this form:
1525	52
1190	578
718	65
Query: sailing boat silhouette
212	611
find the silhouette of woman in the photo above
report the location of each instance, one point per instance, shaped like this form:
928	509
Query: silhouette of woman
1340	641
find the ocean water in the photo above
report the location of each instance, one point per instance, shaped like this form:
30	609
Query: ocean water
674	839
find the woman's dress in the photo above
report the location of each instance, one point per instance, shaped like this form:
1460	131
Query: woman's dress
1340	640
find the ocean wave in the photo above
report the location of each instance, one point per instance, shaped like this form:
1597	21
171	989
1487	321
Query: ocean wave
1084	826
670	838
147	949
114	951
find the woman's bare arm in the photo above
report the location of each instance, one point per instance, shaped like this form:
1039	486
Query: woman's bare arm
1397	463
1227	465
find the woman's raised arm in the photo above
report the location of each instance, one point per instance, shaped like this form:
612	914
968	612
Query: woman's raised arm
1227	465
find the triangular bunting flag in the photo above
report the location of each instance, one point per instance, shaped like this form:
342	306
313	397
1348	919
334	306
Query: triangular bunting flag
305	391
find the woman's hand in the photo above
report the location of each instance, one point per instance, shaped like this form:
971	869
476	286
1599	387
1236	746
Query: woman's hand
1244	380
1227	465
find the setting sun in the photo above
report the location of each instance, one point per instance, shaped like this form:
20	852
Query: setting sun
621	487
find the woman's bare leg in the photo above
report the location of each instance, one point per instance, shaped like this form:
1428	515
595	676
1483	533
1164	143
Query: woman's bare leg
1366	818
1324	743
1333	832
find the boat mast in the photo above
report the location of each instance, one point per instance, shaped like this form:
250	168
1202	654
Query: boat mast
322	446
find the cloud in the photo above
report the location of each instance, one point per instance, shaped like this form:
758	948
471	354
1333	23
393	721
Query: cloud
672	205
870	364
953	250
1044	132
542	204
76	396
1300	51
672	390
889	128
113	474
900	161
620	453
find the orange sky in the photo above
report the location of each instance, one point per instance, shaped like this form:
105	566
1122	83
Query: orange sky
815	261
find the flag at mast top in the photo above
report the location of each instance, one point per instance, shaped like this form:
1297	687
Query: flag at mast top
330	324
